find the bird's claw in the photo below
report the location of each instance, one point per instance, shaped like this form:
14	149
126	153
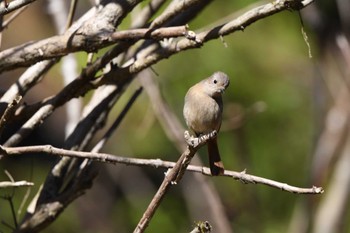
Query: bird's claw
191	141
196	141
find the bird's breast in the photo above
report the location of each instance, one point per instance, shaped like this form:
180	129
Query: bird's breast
202	113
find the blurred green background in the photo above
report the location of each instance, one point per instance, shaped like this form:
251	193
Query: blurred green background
271	88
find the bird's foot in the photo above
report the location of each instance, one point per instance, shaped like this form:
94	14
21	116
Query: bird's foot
196	141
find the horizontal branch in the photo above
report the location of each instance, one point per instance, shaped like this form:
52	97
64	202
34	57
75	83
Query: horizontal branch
146	33
10	184
156	163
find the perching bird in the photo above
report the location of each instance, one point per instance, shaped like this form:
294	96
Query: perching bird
203	112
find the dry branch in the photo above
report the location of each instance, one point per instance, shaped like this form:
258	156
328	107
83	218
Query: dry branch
10	184
14	5
238	24
96	24
58	46
156	163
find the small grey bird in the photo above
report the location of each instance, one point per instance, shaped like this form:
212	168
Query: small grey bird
203	112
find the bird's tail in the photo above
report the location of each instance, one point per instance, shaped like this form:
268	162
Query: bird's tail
216	165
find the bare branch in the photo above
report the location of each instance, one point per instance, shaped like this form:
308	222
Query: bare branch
72	8
96	23
14	5
145	33
9	184
58	46
156	163
238	24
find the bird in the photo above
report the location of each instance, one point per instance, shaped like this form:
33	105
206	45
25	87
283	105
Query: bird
202	111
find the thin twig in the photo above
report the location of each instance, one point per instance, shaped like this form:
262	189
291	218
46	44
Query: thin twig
72	8
156	163
8	174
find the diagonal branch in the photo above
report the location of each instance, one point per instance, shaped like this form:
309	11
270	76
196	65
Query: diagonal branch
196	41
14	5
95	24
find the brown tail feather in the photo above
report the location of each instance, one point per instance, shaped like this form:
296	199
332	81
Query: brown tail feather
216	165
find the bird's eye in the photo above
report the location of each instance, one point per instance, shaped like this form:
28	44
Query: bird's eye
215	81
